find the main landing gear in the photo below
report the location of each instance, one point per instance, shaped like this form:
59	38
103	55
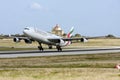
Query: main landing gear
59	48
50	47
40	47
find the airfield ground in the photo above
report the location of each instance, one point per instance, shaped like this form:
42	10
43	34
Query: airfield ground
77	67
8	44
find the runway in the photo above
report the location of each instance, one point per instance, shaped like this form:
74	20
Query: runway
36	53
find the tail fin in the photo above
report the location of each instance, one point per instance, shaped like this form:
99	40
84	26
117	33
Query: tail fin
69	36
70	32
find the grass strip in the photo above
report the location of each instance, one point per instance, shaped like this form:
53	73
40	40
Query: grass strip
77	61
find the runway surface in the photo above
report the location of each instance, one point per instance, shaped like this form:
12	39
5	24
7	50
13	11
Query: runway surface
35	53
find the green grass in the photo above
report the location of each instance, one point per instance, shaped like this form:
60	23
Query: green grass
8	44
77	67
16	49
77	61
59	74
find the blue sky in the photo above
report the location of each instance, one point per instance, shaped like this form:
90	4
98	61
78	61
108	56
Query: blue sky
89	17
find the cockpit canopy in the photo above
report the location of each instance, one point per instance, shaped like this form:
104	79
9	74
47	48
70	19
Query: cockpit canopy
26	28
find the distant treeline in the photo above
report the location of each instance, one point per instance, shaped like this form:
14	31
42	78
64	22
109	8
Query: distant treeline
11	36
76	35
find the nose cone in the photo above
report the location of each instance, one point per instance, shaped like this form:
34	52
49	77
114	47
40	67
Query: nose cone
25	31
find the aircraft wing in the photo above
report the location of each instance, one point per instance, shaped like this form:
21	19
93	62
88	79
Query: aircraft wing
26	39
71	39
82	39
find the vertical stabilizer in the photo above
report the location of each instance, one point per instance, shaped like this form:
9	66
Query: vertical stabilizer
69	36
70	32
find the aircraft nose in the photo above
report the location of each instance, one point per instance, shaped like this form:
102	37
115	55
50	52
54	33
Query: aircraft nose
25	31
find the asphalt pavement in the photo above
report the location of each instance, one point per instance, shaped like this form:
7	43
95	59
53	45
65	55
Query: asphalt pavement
36	53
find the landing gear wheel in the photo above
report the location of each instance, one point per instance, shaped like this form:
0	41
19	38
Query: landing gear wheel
40	48
50	46
59	48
